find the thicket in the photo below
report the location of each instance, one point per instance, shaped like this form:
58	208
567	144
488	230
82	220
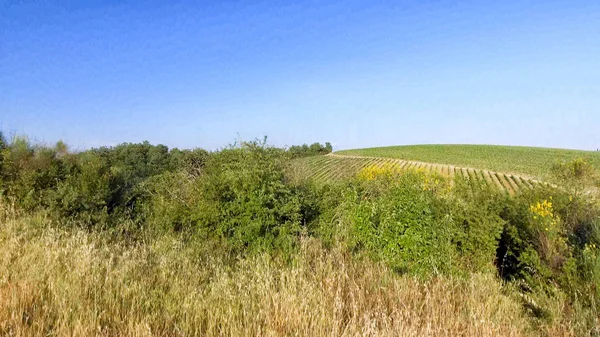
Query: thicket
240	201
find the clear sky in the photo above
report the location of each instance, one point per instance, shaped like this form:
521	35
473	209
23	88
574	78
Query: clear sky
354	73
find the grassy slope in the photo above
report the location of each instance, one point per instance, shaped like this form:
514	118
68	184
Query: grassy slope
529	161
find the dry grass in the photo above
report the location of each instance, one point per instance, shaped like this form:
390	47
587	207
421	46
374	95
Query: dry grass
71	283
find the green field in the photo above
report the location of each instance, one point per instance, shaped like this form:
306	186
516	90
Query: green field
337	168
524	161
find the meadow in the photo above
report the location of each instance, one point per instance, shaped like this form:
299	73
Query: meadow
516	160
75	283
143	240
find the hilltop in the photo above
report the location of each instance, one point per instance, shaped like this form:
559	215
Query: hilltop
534	162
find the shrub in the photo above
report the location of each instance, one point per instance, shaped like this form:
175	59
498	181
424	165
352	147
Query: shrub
576	176
85	195
475	211
548	247
239	200
240	196
413	225
29	173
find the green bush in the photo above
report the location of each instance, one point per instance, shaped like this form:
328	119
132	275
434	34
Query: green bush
29	173
475	212
576	176
403	221
550	246
240	196
545	240
85	194
98	187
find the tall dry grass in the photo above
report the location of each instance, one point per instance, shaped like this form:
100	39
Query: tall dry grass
72	283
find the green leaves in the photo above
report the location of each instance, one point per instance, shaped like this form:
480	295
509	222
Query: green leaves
401	224
240	197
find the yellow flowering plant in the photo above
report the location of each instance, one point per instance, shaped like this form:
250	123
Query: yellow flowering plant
551	243
429	181
372	172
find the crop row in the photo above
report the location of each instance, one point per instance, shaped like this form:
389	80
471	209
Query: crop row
335	168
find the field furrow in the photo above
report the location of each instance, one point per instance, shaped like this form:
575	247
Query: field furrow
336	167
488	178
507	186
511	182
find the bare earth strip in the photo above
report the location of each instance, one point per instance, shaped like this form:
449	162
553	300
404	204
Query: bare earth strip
319	166
486	177
328	167
350	167
509	183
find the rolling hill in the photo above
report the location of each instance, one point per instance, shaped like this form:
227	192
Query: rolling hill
509	168
531	162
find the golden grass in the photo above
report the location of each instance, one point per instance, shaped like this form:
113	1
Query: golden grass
72	283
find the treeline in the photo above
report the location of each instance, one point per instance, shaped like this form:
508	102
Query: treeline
315	149
105	185
241	200
93	186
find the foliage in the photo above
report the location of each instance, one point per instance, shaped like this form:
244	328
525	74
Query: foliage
85	194
407	220
240	202
549	244
241	197
315	149
97	187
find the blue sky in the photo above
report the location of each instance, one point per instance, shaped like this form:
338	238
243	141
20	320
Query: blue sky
354	73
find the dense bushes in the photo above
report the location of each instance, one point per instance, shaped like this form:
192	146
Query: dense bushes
544	240
549	244
240	200
98	187
416	223
240	197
